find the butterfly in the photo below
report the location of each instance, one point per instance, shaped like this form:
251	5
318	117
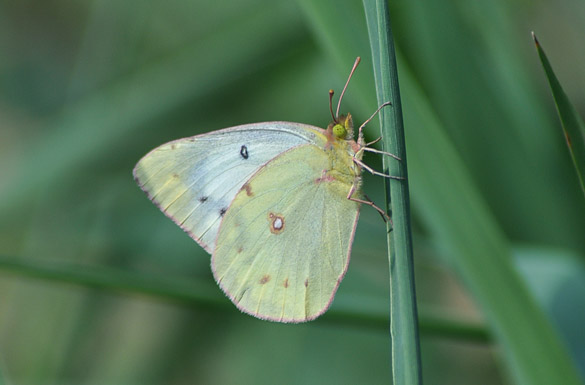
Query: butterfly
276	204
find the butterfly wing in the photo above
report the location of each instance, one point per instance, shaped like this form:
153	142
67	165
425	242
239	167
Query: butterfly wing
194	180
284	243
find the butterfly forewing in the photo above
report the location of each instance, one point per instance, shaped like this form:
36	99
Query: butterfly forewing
194	180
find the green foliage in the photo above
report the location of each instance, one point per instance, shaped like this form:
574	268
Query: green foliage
87	88
406	361
573	125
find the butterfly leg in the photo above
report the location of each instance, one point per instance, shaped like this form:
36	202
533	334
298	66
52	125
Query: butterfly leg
380	152
366	147
371	117
385	216
373	142
374	172
368	202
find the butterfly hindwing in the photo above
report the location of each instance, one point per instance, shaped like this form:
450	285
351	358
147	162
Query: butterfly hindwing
284	243
194	180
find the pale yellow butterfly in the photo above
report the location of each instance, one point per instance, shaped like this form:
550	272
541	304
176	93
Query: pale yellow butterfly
276	205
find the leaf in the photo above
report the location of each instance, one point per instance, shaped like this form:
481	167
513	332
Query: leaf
406	366
571	122
454	212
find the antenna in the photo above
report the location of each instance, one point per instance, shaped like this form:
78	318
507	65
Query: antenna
355	64
331	106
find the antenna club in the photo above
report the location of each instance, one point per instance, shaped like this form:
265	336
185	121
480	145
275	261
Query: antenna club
331	105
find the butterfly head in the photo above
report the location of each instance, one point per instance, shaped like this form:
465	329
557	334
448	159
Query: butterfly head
342	127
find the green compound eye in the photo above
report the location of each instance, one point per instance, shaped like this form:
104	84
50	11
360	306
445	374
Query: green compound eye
339	131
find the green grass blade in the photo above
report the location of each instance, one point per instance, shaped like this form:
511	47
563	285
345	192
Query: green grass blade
573	125
406	366
468	235
454	212
207	296
115	280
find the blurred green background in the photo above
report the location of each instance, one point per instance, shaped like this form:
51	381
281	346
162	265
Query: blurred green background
88	87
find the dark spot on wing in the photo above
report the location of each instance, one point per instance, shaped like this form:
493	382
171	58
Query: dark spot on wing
276	223
203	199
307	282
248	189
175	176
222	212
244	152
240	249
285	284
173	146
264	279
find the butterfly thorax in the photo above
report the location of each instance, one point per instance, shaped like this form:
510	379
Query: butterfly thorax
342	150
